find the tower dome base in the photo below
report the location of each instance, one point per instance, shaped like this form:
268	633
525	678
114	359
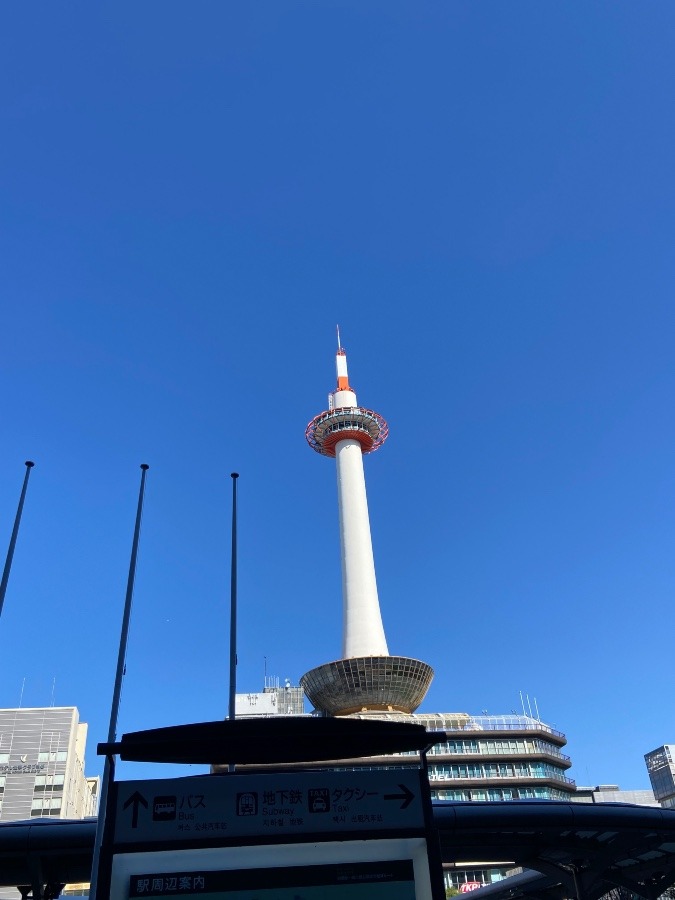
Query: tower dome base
368	682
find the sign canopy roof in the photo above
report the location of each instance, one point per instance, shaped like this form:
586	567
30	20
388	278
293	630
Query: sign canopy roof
272	740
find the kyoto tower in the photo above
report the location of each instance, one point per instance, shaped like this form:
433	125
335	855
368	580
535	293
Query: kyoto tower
367	677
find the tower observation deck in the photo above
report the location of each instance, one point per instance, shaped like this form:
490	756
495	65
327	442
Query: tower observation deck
367	677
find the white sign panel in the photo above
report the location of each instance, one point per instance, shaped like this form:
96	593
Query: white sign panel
256	704
389	869
267	806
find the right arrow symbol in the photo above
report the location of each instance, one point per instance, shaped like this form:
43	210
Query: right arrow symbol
407	796
137	800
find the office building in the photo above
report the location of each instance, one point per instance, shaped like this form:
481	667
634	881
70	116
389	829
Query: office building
612	793
661	770
42	765
42	771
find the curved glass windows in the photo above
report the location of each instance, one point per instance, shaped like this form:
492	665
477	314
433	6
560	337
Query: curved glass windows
517	769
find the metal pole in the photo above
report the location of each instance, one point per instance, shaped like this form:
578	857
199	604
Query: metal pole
15	532
233	602
108	768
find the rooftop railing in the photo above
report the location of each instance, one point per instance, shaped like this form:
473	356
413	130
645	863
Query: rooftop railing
491	723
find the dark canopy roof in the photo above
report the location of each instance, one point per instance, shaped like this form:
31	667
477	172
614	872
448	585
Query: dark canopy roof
282	739
601	846
589	848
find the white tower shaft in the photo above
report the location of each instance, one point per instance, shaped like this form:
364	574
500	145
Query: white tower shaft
363	631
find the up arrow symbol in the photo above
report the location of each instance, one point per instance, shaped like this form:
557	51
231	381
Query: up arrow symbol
137	799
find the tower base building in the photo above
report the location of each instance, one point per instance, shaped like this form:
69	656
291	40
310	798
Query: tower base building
486	758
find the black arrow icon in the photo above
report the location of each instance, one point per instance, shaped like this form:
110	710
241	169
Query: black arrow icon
407	796
137	800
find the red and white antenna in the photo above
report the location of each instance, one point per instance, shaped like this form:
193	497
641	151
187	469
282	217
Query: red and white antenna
341	372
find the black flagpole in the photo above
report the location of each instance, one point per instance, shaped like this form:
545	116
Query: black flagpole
15	532
122	653
233	601
108	768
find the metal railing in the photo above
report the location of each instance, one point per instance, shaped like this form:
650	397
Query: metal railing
495	723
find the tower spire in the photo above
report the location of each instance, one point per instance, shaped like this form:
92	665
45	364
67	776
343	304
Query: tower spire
346	432
342	378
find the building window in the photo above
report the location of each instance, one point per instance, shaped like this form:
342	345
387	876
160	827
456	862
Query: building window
49	782
52	756
46	806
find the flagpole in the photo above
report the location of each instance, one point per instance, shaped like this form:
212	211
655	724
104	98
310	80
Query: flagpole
108	768
15	533
233	602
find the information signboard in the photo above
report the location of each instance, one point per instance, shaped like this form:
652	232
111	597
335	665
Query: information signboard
339	835
228	806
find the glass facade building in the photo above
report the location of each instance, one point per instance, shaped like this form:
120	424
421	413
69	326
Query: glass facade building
493	757
509	757
662	774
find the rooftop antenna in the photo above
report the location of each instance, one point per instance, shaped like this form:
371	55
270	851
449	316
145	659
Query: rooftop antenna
53	689
522	702
23	685
15	532
536	709
337	328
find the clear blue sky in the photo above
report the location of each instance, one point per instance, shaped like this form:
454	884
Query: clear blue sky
482	195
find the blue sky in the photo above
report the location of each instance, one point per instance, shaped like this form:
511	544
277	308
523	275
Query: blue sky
481	194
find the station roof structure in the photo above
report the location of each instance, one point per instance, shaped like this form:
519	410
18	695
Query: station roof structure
577	849
585	849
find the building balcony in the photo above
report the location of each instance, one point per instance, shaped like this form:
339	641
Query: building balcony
441	755
441	780
510	724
